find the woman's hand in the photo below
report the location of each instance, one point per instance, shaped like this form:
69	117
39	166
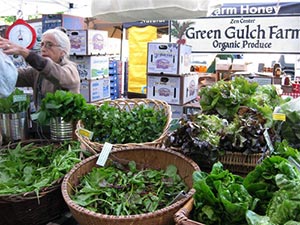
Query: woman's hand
10	48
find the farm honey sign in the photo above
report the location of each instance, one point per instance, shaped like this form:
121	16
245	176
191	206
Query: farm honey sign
239	34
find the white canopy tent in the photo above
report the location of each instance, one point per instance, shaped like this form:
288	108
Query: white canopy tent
138	10
119	10
36	7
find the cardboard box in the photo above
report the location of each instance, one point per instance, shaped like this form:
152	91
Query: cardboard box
239	65
50	21
187	109
91	67
88	42
223	64
37	26
177	111
95	90
174	89
168	58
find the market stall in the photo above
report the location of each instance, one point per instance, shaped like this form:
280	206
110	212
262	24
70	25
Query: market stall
129	160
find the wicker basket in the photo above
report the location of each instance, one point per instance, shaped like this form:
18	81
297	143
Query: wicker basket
235	162
128	104
27	208
239	163
181	217
147	156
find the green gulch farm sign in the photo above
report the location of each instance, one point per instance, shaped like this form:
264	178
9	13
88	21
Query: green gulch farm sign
279	34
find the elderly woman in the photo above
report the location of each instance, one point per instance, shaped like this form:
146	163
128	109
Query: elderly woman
50	70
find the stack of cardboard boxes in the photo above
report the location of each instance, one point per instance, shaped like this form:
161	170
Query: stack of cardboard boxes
88	51
169	77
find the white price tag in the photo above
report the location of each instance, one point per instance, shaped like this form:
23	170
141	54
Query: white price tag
19	98
104	154
268	140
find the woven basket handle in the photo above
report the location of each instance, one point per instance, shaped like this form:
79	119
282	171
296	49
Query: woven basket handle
181	217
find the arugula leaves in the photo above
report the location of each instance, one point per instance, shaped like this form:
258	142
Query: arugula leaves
31	167
130	190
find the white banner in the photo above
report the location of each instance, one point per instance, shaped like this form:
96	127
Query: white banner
279	34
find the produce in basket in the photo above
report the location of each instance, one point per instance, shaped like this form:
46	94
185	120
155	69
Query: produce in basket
144	157
209	138
110	124
124	122
220	197
224	98
33	167
131	190
31	174
274	186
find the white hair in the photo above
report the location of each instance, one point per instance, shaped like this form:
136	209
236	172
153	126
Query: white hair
61	38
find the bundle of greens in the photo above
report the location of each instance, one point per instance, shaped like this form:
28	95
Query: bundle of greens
204	138
284	206
16	102
220	197
198	137
65	104
261	182
111	124
275	183
131	191
225	98
245	133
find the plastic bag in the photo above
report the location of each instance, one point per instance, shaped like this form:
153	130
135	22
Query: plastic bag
8	75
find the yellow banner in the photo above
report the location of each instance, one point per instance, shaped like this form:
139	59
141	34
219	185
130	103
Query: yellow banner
138	38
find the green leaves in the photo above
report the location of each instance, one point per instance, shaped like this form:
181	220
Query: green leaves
32	167
220	197
131	191
138	125
16	102
225	98
64	104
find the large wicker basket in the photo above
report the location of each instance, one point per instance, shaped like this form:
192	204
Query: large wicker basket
28	208
128	104
146	156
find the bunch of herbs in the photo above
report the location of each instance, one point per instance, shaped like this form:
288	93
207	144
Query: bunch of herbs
68	105
16	102
110	124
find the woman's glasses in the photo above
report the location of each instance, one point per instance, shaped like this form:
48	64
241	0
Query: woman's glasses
48	45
